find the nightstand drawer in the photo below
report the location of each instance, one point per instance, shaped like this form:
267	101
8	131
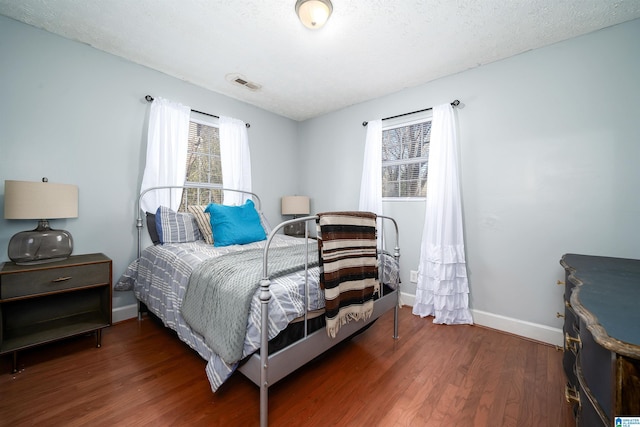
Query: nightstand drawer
52	280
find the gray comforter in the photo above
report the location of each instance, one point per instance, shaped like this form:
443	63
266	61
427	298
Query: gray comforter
218	299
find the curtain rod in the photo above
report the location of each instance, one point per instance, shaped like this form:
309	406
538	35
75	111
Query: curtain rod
149	98
454	103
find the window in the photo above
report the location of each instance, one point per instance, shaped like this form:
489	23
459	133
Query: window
203	163
405	157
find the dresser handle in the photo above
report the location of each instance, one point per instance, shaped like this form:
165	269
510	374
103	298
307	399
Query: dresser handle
559	315
572	343
571	395
560	283
61	279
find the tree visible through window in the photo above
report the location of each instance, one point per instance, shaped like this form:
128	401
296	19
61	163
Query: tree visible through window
405	159
203	164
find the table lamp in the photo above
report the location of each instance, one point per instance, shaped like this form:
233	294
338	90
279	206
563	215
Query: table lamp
296	206
41	201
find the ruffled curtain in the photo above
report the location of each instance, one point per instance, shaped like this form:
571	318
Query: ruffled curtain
166	162
236	160
443	289
371	183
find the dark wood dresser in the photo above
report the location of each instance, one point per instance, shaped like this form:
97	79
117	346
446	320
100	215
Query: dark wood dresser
602	338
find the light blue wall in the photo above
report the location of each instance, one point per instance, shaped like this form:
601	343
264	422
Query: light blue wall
550	164
549	145
77	115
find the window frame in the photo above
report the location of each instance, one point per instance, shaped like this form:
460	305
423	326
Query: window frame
211	122
397	122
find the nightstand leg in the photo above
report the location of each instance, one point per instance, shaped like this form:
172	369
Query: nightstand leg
15	362
99	338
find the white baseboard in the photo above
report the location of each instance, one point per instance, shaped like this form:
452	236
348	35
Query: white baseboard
534	331
126	312
407	299
519	327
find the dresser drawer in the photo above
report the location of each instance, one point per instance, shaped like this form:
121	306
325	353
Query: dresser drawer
52	280
587	415
597	365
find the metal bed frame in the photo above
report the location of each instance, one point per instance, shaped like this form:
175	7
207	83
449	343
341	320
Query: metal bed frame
265	369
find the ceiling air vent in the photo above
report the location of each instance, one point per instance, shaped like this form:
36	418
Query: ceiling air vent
239	80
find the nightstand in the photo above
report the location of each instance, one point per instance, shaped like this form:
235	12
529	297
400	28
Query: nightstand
47	302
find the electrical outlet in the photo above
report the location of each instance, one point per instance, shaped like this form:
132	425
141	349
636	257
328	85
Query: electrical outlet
413	276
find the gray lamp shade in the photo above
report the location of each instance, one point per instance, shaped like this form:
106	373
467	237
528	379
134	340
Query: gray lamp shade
41	201
295	205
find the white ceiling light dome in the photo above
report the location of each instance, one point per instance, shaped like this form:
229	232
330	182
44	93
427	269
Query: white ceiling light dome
314	13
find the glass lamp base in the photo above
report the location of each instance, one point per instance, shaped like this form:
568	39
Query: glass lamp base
40	246
296	229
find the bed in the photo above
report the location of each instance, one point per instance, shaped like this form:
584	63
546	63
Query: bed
281	274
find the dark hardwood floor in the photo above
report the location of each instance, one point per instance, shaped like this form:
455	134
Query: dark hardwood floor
434	375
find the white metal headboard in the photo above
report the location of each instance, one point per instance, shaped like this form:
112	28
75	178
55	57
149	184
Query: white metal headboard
217	187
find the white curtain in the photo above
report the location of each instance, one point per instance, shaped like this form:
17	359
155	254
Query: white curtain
166	161
371	184
236	160
443	289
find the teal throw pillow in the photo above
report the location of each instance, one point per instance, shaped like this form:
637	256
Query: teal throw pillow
235	225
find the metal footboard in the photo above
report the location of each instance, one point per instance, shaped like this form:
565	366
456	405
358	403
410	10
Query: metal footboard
274	367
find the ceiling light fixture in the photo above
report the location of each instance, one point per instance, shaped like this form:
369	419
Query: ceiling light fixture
314	13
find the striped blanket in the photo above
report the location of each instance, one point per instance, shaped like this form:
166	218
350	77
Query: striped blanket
348	266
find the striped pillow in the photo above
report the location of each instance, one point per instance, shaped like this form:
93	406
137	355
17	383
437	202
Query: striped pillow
176	227
204	222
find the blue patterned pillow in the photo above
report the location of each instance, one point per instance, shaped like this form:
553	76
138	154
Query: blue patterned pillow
235	225
176	227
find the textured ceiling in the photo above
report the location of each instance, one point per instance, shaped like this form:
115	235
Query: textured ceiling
367	48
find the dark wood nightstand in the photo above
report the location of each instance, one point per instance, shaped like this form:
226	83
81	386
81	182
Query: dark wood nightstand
48	302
